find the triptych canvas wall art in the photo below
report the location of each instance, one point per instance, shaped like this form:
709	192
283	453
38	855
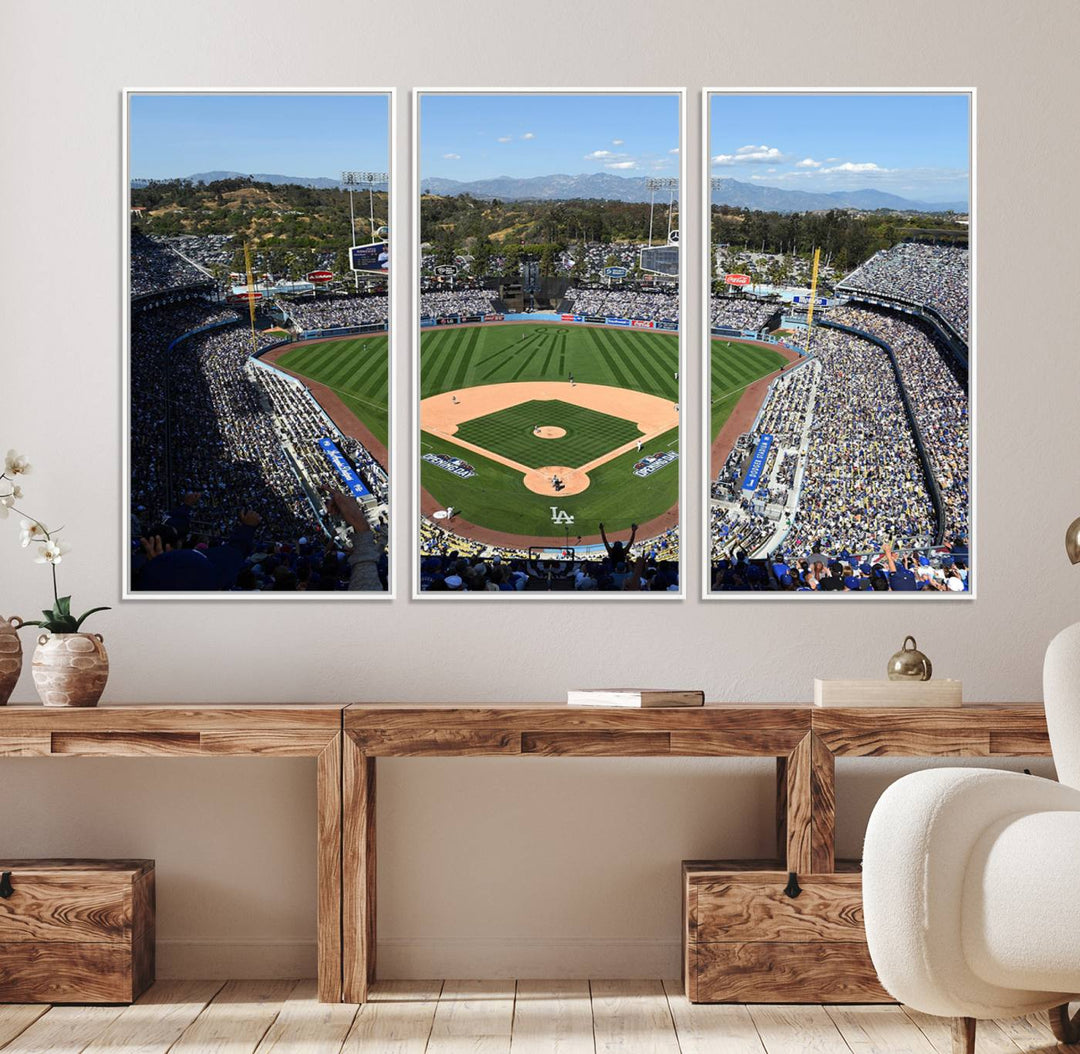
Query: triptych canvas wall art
547	349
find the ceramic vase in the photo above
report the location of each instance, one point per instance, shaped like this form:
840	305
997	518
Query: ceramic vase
70	669
10	656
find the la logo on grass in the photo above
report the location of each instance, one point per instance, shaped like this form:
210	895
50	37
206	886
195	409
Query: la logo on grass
560	515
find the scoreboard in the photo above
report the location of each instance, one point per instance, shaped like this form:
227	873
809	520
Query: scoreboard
372	257
661	259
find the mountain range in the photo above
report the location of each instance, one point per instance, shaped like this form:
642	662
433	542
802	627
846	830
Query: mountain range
604	185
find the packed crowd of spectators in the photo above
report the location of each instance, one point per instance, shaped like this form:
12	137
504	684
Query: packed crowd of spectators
863	486
934	276
788	269
938	398
208	250
617	302
210	474
740	312
598	255
456	302
301	422
784	415
450	563
337	310
156	267
942	570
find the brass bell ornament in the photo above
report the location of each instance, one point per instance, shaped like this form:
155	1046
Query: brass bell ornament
909	664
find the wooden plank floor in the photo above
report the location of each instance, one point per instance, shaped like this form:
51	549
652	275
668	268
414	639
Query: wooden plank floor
484	1017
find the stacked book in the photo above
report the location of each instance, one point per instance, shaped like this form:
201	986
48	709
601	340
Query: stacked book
634	697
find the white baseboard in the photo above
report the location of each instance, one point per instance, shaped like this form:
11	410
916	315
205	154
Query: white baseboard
418	958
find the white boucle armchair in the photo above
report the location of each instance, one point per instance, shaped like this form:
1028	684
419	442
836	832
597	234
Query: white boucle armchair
971	880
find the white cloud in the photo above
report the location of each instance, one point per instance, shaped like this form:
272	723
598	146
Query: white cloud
751	155
621	164
451	157
599	155
857	166
504	139
617	142
808	162
529	135
673	150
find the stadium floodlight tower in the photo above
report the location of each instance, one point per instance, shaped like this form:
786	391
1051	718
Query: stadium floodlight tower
353	180
664	258
652	185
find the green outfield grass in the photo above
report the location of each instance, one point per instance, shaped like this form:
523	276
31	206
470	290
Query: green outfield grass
357	368
509	432
456	359
453	359
734	366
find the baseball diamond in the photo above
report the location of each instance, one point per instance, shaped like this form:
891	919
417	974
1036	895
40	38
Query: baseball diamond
587	433
551	416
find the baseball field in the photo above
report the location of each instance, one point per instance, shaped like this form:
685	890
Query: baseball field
356	369
735	366
527	404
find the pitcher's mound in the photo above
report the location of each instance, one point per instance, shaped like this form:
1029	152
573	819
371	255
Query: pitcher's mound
571	480
549	432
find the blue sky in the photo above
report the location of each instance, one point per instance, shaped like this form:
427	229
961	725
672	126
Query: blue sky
912	145
483	136
292	135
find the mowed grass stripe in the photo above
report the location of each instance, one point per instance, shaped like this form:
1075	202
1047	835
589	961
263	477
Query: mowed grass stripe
546	351
453	356
526	362
734	368
552	345
613	358
465	362
356	368
438	363
370	377
654	367
735	364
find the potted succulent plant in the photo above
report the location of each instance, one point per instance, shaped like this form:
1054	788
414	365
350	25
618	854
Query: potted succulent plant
70	667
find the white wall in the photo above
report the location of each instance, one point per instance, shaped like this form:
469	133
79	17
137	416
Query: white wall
546	866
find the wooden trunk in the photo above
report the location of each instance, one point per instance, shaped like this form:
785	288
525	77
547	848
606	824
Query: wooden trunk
76	931
746	940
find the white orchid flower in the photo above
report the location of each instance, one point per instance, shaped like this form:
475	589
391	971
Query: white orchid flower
31	531
16	464
52	552
8	500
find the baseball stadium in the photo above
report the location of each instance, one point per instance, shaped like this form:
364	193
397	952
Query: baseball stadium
840	453
546	436
258	358
840	457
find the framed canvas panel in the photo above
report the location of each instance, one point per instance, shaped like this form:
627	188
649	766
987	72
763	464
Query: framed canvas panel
838	410
259	371
548	379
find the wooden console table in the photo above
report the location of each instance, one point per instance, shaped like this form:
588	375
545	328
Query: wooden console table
206	730
805	741
347	740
